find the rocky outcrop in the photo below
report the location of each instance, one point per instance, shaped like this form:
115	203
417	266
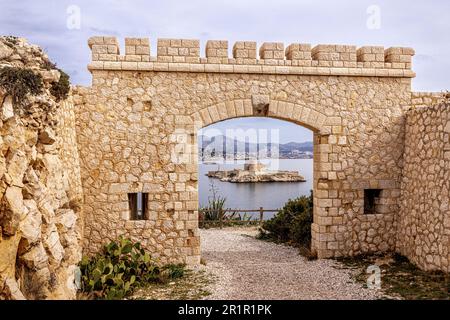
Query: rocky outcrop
256	172
40	191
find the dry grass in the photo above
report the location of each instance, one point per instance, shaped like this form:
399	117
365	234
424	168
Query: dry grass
400	279
192	286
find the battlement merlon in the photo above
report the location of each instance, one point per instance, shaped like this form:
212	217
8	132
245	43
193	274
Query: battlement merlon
183	55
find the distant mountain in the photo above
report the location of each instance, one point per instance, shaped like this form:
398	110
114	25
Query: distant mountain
220	143
300	146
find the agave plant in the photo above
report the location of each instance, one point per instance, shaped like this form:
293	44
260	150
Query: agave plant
215	209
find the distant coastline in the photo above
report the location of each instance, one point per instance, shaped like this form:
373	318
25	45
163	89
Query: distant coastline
220	148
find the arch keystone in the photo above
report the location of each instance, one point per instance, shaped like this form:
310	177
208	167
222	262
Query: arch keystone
260	104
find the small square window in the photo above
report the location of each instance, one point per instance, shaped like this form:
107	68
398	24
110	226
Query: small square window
138	205
371	200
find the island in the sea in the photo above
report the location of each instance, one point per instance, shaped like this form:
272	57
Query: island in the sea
256	172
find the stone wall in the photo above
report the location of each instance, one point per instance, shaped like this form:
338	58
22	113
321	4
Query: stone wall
40	187
141	109
424	219
135	130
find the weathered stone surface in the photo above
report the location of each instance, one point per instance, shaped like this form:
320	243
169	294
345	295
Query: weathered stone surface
7	108
424	217
11	290
47	136
36	258
30	227
11	210
5	51
39	175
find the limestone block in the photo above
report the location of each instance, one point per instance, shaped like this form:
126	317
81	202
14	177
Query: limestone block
324	52
400	57
179	50
11	290
104	48
5	51
217	49
370	54
12	209
7	111
272	50
244	50
47	136
298	51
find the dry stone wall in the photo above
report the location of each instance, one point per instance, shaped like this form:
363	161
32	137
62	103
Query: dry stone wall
40	186
424	218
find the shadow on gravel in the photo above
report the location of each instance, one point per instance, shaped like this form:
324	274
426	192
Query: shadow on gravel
400	279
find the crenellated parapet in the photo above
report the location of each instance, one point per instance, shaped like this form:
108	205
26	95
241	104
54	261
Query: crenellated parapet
183	55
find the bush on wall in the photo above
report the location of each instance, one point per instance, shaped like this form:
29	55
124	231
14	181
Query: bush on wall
60	90
19	82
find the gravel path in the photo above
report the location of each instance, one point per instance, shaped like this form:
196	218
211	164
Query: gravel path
247	268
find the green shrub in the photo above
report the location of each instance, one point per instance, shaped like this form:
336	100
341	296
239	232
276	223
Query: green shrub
120	268
48	65
174	271
292	224
60	90
19	82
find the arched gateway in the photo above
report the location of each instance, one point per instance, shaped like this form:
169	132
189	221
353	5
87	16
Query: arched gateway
137	126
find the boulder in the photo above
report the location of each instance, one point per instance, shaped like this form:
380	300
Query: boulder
36	258
5	51
53	244
11	210
47	136
31	225
7	108
11	290
65	219
50	75
17	166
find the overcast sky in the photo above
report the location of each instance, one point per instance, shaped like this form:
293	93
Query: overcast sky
423	25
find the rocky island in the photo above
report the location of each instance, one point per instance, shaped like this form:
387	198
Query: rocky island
256	172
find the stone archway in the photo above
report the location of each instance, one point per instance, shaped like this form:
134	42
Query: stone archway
262	106
127	122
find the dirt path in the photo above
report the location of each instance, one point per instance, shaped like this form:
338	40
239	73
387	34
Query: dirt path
247	268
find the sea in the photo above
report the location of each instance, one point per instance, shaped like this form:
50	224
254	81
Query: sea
248	196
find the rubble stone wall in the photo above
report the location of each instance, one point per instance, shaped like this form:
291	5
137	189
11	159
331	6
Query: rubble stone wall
424	218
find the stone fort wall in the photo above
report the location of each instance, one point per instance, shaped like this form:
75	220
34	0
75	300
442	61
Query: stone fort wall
424	216
134	130
131	121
